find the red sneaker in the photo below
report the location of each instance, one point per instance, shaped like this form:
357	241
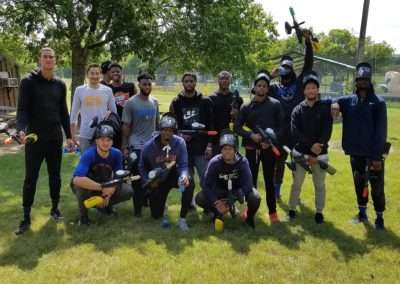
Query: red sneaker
273	217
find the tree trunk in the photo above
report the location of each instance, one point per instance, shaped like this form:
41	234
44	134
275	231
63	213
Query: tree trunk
79	60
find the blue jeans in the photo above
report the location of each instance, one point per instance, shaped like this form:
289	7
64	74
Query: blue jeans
200	163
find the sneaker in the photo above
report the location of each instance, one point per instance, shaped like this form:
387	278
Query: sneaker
360	218
379	223
182	224
208	215
319	218
250	221
56	214
273	217
218	225
165	223
108	211
23	227
292	215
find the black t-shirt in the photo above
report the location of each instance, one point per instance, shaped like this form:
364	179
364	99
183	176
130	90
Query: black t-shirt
222	107
122	94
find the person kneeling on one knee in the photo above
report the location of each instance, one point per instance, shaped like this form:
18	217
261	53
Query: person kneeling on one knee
98	165
228	179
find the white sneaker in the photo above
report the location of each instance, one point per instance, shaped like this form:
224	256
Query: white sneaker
182	224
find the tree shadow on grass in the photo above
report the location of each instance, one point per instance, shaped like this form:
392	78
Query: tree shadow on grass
347	245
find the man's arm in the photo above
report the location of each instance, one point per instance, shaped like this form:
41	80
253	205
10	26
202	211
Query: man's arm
239	122
182	159
297	129
111	106
245	181
327	123
24	103
127	121
380	131
308	57
75	109
64	112
210	179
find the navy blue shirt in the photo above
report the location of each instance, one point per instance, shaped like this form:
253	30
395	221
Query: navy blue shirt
364	125
239	172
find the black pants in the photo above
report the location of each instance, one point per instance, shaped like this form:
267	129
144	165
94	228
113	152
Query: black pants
138	190
51	152
280	167
158	196
267	158
123	193
253	201
376	180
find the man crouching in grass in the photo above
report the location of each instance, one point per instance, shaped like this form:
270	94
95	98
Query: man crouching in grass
96	167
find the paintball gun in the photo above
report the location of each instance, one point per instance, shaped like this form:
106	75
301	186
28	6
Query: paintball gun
298	30
158	175
232	195
13	136
120	177
198	128
270	138
302	160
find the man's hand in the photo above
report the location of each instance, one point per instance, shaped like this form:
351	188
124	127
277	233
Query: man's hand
184	180
275	73
316	148
125	152
221	206
21	136
307	34
265	145
312	160
107	192
208	152
75	140
256	137
376	166
187	138
335	110
70	143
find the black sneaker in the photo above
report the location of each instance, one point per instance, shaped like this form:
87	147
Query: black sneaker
379	223
56	214
292	215
23	227
250	222
109	211
319	218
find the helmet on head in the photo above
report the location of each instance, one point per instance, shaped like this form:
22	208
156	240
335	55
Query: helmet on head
168	121
363	71
227	138
312	76
104	131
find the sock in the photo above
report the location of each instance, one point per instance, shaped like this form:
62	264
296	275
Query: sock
362	210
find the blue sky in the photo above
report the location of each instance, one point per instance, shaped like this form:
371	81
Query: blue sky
323	15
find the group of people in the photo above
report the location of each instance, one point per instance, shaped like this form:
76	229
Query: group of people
199	133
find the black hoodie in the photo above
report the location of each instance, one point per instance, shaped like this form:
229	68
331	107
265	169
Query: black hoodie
42	107
193	109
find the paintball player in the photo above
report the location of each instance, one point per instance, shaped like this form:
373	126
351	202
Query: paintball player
42	109
364	138
311	129
289	93
260	113
91	100
97	166
191	107
226	106
140	119
162	150
227	180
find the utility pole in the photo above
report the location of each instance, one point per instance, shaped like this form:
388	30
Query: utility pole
363	30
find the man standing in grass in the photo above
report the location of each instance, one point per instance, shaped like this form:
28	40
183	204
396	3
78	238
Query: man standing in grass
90	100
140	119
261	113
191	107
311	128
226	106
364	138
42	109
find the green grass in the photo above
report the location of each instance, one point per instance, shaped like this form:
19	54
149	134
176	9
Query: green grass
128	250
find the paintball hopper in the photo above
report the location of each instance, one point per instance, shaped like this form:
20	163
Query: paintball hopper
93	201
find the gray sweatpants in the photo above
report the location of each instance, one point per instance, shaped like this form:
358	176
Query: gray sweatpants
84	143
318	176
122	193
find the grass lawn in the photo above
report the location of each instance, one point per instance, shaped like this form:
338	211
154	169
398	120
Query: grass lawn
130	250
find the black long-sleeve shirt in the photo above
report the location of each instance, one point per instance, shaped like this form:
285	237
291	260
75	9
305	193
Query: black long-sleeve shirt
222	106
265	114
194	109
42	107
311	124
291	95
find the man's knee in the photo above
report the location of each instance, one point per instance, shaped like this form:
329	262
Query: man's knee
253	199
201	199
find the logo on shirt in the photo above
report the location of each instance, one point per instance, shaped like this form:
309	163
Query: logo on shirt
190	115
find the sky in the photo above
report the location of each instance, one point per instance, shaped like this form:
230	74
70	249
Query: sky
323	15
